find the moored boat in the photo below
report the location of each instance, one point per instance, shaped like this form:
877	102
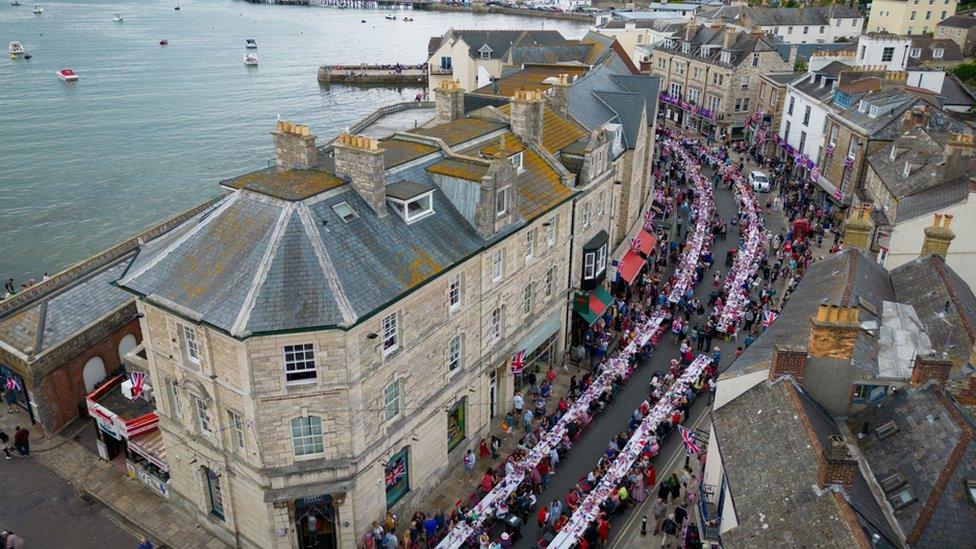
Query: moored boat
251	44
118	18
38	9
250	60
68	75
164	42
15	48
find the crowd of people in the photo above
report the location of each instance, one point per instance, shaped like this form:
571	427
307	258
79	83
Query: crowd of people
10	287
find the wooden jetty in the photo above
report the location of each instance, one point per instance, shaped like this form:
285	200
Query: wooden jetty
398	75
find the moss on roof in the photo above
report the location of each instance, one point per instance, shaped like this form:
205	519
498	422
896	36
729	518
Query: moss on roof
294	184
530	78
558	132
468	171
461	130
399	151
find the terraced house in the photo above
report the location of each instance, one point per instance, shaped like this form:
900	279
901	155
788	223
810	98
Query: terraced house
710	75
332	334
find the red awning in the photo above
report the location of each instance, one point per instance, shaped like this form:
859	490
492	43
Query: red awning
645	242
629	266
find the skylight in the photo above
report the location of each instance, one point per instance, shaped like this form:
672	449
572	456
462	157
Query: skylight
343	210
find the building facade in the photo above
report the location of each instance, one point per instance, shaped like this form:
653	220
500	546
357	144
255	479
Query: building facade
961	29
806	25
908	16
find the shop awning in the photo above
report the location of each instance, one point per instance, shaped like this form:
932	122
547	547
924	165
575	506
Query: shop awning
644	242
150	446
629	266
590	305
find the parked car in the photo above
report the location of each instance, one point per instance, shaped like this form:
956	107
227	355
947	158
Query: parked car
759	182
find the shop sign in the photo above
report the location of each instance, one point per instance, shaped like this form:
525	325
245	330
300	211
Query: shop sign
155	484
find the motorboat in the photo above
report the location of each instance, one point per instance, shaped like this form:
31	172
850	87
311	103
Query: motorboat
391	17
15	3
15	48
118	18
164	42
177	8
27	56
68	75
250	60
38	9
408	19
251	44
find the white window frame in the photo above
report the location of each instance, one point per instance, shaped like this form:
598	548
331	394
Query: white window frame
589	265
390	331
915	53
497	266
586	215
237	430
299	361
601	205
529	243
454	293
309	439
191	349
726	58
755	60
527	299
550	280
501	201
694	95
551	233
937	53
454	353
203	415
601	259
496	324
174	399
391	400
518	160
402	207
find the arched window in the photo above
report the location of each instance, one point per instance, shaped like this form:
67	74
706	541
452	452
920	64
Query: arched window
127	344
306	435
93	374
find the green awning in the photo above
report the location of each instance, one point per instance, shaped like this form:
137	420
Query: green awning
590	305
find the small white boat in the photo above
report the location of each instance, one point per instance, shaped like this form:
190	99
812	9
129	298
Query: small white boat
67	75
16	49
15	3
408	19
391	17
251	44
38	9
250	60
118	18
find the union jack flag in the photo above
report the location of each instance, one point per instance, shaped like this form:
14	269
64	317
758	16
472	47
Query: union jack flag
138	380
635	243
395	472
518	362
768	318
649	215
12	384
690	440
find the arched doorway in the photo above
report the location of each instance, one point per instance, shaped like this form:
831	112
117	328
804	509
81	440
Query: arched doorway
127	344
93	373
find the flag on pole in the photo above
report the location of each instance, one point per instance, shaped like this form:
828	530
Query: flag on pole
395	472
690	439
138	380
518	362
768	318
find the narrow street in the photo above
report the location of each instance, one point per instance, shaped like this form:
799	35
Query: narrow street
46	510
584	456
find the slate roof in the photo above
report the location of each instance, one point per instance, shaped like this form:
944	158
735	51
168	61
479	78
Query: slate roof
400	151
557	131
956	93
549	54
958	21
841	279
532	77
286	184
746	16
54	318
927	46
923	154
772	468
461	130
458	168
933	449
499	41
604	96
743	44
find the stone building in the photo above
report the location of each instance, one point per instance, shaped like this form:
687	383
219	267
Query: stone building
709	76
805	25
961	29
908	17
61	338
329	337
770	101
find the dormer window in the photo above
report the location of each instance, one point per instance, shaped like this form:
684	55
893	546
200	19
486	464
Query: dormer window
937	53
343	210
686	48
501	201
517	160
894	152
873	113
915	53
726	57
485	52
862	107
413	209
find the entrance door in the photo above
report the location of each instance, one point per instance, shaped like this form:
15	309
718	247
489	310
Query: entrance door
315	516
493	393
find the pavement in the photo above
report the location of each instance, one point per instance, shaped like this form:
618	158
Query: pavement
89	502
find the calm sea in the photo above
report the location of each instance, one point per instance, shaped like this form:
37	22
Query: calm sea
148	131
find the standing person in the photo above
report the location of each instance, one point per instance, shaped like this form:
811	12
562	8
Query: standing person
313	529
5	444
11	540
10	397
518	402
660	509
680	514
469	461
145	544
669	528
21	440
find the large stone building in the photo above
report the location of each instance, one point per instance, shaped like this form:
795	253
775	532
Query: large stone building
908	16
961	29
806	25
338	329
710	75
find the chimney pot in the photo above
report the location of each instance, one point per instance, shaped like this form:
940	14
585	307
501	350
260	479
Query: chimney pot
294	148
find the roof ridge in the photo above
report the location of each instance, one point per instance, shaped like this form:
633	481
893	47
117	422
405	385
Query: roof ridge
328	268
239	326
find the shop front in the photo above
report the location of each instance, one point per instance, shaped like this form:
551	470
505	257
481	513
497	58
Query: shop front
540	350
686	114
315	520
127	425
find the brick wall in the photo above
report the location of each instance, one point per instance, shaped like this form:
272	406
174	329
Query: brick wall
927	369
59	394
788	360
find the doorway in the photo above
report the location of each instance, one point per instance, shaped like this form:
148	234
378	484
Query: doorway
316	521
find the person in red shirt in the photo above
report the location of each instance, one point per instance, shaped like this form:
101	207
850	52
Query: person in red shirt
604	528
676	417
542	516
650	476
487	481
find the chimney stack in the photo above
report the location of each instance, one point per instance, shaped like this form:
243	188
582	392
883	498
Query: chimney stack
558	95
788	360
837	466
294	146
930	368
449	101
360	159
690	28
833	332
938	236
526	115
858	228
958	152
498	202
728	38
